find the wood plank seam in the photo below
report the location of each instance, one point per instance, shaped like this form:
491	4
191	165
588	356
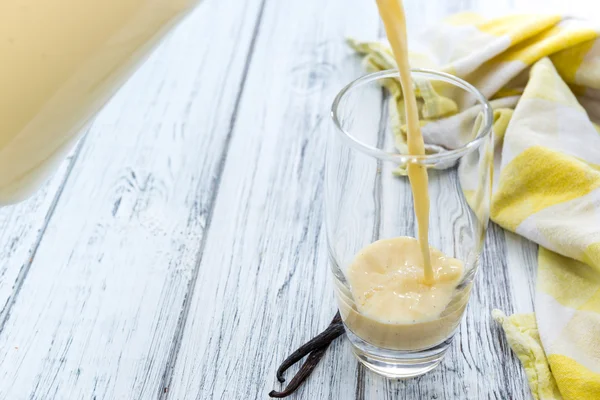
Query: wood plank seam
167	375
5	312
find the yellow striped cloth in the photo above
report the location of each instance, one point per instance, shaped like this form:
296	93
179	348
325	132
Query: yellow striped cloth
542	74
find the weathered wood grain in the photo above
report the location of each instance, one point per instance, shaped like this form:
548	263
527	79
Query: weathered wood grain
240	302
258	301
521	263
188	260
21	229
263	287
98	312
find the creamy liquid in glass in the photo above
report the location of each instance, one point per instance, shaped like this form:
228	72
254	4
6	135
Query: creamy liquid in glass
404	291
395	307
60	62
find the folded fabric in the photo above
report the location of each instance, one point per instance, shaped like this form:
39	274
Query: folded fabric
542	74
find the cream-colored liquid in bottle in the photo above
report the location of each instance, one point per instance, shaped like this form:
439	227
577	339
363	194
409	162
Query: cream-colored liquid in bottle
61	60
404	292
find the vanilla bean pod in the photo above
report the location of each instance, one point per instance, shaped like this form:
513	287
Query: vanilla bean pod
315	349
304	372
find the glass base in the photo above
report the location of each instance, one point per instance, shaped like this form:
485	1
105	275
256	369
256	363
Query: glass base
397	364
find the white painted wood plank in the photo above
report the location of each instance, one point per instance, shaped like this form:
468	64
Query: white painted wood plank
120	348
100	307
21	228
263	287
268	293
521	263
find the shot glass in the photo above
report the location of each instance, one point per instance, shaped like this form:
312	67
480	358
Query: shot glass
367	198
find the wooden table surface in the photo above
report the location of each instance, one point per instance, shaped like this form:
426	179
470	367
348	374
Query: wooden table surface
179	253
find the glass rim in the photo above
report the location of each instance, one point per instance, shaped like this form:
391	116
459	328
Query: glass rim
406	158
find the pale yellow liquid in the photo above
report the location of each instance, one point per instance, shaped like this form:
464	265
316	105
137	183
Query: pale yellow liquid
60	61
395	307
392	14
403	291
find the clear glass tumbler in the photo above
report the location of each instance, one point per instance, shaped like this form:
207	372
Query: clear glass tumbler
368	199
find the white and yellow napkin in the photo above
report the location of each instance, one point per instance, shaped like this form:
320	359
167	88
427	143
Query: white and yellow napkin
542	74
